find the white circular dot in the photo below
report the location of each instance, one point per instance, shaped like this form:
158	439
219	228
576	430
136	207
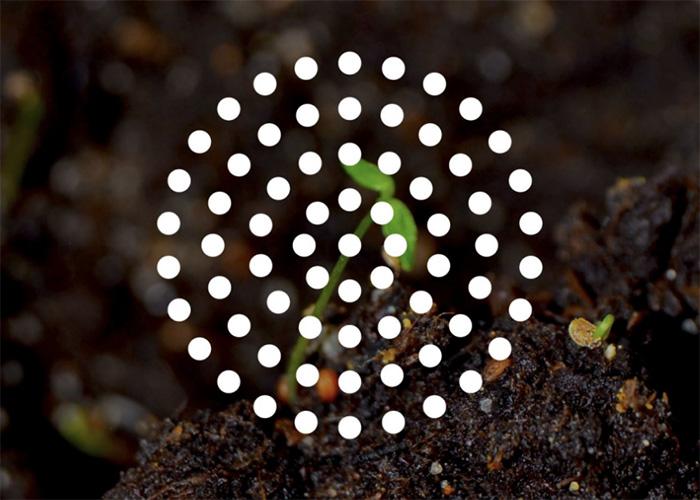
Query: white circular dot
470	108
228	109
349	154
264	406
179	310
168	223
389	327
238	325
199	348
310	163
260	265
500	141
381	213
264	84
228	381
349	382
393	68
307	115
317	213
430	134
460	165
349	63
213	245
304	245
391	115
349	245
421	188
499	349
238	165
438	225
349	427
179	180
310	327
278	302
434	406
421	302
305	68
434	84
520	180
479	203
438	265
395	245
349	108
530	267
393	422
381	277
349	336
317	277
278	188
349	199
470	381
391	375
199	141
168	267
269	355
486	245
219	203
260	225
479	287
430	355
307	375
269	134
460	325
389	163
530	223
349	290
306	422
520	310
219	287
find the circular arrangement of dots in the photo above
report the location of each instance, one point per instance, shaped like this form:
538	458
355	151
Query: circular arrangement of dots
317	213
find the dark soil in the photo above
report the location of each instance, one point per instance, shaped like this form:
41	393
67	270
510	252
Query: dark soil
555	419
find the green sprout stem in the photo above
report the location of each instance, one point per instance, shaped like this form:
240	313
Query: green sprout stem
368	176
603	327
299	351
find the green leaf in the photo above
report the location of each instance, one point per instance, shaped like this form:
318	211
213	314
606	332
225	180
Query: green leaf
404	224
369	176
602	328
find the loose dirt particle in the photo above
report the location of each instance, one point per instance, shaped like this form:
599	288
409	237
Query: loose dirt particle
327	385
610	352
447	488
494	369
435	468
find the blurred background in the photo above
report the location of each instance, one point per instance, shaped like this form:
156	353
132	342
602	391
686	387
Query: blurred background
98	99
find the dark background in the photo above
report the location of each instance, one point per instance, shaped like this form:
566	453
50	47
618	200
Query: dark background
99	97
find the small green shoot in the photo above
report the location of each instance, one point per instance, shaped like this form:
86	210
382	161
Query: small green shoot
602	328
366	175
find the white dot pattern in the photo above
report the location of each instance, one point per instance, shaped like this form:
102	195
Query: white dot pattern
310	163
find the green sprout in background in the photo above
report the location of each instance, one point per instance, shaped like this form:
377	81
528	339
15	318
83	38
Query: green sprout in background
603	327
366	175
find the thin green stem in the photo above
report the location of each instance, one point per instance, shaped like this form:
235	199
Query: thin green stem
299	351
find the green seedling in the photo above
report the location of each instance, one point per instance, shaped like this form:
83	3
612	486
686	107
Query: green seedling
603	327
586	334
366	175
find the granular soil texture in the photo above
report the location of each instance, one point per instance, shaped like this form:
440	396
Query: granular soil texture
555	419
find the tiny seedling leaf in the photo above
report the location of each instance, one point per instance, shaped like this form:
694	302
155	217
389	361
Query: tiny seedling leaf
404	224
602	328
369	176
